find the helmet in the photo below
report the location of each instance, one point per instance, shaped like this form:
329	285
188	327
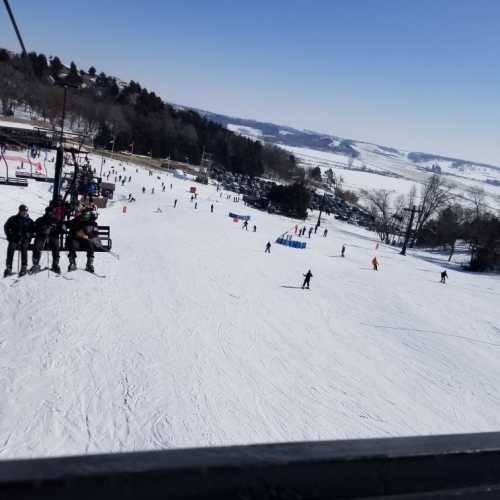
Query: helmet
88	214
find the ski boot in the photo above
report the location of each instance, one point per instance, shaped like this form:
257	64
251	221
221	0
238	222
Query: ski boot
90	266
7	272
23	271
35	268
72	265
55	266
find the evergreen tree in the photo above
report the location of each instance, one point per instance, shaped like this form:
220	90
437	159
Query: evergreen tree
73	77
55	67
92	71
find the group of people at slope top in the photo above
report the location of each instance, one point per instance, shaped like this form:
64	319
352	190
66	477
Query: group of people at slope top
82	233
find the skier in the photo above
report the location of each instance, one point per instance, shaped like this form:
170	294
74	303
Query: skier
18	229
307	279
175	202
129	178
325	232
212	208
296	228
143	190
254	228
152	190
83	235
163	188
245	225
170	186
375	263
444	275
342	252
310	231
48	229
196	205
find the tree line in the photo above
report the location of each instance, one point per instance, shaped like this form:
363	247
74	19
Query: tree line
440	221
129	117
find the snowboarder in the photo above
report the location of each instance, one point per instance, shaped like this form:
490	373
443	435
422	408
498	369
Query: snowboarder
375	263
307	279
83	235
268	247
245	225
444	275
325	232
342	252
48	229
212	208
175	202
18	229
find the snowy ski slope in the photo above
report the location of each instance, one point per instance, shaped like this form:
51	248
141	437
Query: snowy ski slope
196	337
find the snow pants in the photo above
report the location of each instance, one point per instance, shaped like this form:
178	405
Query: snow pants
75	244
22	246
40	242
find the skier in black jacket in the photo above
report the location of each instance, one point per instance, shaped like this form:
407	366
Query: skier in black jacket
19	230
307	279
48	229
83	235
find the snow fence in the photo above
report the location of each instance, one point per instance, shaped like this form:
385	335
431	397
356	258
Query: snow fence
291	243
241	217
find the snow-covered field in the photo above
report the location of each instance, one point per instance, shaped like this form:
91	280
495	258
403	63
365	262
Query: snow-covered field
394	170
196	337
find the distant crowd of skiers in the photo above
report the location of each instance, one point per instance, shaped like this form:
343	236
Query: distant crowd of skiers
82	234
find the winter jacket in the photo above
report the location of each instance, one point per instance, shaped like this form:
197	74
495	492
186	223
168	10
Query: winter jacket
81	229
48	225
19	228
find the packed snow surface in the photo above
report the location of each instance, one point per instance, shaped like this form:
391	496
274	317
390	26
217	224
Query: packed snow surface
196	337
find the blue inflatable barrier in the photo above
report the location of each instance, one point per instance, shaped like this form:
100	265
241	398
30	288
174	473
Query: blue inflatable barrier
291	243
241	217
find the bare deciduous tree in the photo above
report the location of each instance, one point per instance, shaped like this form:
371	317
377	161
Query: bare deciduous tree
477	196
436	193
379	204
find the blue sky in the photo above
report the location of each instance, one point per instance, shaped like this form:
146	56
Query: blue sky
418	74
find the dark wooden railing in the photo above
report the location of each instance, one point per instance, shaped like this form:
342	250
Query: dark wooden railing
457	466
